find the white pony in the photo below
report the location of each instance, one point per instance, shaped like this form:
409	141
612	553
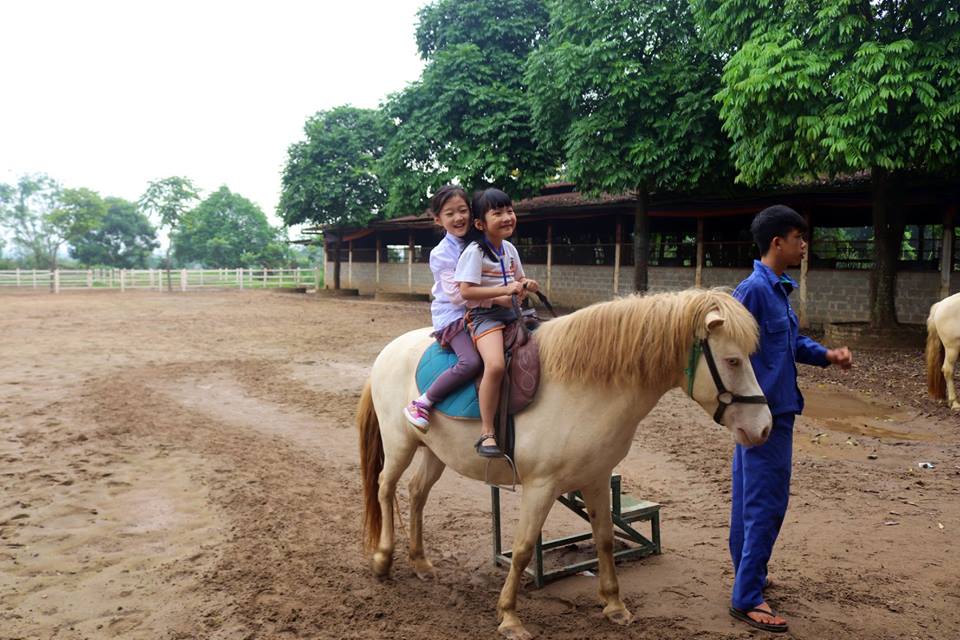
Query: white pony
943	347
603	369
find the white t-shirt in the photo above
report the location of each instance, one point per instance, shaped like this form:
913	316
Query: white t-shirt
476	267
447	305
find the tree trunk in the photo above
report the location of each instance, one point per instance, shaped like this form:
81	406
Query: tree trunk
336	262
641	242
888	227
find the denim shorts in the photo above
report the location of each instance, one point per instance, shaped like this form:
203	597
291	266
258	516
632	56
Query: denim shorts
481	321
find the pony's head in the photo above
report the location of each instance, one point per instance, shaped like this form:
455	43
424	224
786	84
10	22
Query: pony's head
720	377
657	342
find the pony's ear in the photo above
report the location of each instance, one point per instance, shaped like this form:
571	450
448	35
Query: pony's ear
714	321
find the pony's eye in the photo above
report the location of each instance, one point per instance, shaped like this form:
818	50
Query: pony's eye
733	362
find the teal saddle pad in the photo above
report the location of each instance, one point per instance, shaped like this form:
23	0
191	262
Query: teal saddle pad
462	403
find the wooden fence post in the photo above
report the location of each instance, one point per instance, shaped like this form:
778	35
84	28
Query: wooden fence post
123	282
18	278
804	317
378	262
89	279
410	262
183	279
549	257
946	251
56	281
33	272
698	278
240	276
616	257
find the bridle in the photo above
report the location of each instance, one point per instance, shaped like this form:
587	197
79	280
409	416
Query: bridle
724	398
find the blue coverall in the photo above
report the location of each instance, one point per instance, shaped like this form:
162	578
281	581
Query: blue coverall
761	475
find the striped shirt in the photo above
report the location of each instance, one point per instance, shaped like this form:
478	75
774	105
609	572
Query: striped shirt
476	267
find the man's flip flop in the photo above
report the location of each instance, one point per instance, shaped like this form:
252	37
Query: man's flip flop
741	614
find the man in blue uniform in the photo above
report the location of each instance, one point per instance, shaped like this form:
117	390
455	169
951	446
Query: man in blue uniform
761	475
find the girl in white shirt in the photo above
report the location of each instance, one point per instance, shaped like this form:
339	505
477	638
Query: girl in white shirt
489	270
450	211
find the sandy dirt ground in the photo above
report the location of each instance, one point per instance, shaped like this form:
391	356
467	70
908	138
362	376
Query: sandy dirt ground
185	466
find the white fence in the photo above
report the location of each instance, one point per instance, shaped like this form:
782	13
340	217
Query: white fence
156	279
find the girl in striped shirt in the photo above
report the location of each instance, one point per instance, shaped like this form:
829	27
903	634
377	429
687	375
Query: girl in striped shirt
489	270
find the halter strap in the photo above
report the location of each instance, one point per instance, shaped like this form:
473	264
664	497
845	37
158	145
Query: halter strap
724	398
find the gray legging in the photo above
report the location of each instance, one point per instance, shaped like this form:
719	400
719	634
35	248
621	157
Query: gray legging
467	368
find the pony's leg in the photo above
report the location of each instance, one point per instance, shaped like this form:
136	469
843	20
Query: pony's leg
429	471
597	499
396	460
949	360
534	506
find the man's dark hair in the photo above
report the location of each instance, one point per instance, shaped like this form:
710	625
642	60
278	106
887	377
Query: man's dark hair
775	222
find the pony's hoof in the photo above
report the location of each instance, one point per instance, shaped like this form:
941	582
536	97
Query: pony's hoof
619	616
381	564
514	632
424	570
955	406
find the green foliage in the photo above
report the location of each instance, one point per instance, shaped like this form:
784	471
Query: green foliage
307	256
43	217
169	199
78	212
625	89
24	210
227	230
838	86
125	239
330	177
466	119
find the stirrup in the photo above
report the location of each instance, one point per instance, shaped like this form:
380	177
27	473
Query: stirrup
513	468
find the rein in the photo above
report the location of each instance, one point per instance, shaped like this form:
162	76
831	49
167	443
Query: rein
724	398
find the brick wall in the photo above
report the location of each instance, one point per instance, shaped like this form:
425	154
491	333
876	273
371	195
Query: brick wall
832	296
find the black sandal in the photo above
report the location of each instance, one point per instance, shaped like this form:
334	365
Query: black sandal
741	614
488	450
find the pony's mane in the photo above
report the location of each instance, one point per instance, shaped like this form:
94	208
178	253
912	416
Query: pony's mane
639	341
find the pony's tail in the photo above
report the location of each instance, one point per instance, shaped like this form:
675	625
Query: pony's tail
936	383
371	463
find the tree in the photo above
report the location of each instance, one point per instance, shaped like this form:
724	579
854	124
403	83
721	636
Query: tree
26	207
838	87
625	89
466	120
169	199
330	177
227	230
78	212
43	216
125	238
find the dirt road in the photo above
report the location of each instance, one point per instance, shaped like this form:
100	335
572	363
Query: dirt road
185	466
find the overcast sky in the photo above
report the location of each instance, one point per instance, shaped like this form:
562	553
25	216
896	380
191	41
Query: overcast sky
109	95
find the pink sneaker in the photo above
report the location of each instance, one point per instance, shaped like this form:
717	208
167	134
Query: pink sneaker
418	415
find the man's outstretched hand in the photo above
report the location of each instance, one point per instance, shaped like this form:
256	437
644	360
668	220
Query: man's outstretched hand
840	357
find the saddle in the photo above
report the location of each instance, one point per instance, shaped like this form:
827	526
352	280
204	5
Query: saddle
523	373
521	378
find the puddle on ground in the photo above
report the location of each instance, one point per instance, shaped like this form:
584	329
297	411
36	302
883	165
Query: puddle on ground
844	411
